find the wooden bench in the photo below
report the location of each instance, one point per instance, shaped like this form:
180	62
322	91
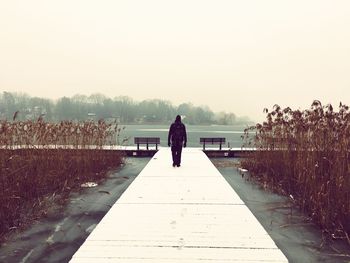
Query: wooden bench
212	141
147	141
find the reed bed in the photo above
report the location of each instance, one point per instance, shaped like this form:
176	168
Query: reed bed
305	155
39	160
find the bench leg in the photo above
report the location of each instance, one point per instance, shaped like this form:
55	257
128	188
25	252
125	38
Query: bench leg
138	146
220	147
203	146
147	146
156	146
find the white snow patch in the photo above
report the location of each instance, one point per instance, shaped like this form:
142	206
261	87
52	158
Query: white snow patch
89	184
24	260
90	228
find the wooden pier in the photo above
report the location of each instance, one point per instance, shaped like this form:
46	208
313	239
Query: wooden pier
186	214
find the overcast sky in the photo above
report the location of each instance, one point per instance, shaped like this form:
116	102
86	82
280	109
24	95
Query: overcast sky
238	56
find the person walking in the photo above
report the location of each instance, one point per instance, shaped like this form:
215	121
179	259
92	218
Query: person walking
177	138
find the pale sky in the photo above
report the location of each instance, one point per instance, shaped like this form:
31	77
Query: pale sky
237	56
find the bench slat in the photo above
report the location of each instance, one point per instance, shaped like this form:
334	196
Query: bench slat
144	140
214	140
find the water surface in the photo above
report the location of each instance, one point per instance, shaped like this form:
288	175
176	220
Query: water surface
232	133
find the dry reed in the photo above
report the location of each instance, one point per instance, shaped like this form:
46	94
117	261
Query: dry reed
41	159
305	155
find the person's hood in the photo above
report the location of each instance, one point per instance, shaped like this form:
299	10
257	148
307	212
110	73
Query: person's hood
178	118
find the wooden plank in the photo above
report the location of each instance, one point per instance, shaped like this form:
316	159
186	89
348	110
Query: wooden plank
212	140
186	214
176	254
195	225
144	140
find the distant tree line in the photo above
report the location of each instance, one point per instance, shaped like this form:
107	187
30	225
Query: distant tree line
97	106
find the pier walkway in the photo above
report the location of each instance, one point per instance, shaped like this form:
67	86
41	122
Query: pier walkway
186	214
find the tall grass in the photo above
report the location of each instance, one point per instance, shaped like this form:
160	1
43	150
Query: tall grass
41	159
306	155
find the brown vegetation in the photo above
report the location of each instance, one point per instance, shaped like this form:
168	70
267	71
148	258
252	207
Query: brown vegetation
40	159
305	155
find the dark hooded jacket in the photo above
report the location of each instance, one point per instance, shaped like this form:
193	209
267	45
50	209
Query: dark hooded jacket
177	133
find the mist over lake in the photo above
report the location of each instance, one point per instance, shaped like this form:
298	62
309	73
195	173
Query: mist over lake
232	133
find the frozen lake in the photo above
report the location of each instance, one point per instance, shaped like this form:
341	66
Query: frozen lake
194	132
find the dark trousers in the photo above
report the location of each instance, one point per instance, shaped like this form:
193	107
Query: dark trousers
176	152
